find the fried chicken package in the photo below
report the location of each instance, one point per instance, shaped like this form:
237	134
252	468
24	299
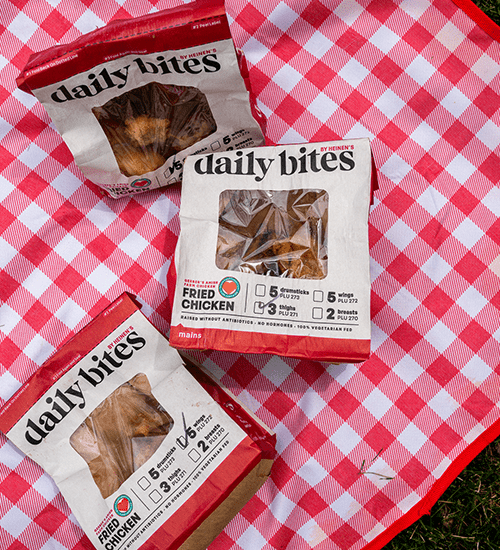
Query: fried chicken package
134	98
273	252
147	448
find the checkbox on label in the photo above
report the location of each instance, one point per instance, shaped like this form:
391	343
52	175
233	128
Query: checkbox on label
317	313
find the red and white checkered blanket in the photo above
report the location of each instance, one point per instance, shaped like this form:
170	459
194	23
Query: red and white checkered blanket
364	450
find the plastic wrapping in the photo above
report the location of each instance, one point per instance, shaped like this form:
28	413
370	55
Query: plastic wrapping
121	434
147	125
276	233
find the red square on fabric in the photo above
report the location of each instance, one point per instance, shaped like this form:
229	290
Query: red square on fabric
464	200
488	101
310	371
406	336
379	506
344	403
21	57
62	154
279	404
312	503
356	104
351	41
32	185
453	69
165	242
136	277
345	537
13	487
250	19
315	13
67	215
494	231
281	473
31	126
6	218
282	537
478	405
132	213
381	10
474	336
69	280
253	509
286	48
414	473
423	103
242	371
445	439
410	403
458	135
320	74
35	250
16	545
470	267
50	519
311	438
56	25
387	71
345	473
434	234
418	37
37	316
392	136
101	247
5	158
402	268
379	437
8	350
374	369
428	167
438	302
398	201
491	168
289	110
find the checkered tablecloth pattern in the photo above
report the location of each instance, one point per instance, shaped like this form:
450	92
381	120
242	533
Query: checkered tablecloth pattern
365	449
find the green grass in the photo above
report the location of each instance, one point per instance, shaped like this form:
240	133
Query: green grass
467	516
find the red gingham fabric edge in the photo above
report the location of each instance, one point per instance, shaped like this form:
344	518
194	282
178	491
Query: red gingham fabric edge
475	13
426	503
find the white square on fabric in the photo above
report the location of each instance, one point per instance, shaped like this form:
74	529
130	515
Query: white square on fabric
345	439
102	278
287	78
486	68
101	215
456	102
15	521
408	370
432	200
5	128
460	168
7	252
88	22
68	248
33	217
133	245
389	103
348	11
8	384
492	201
283	16
472	301
415	9
46	487
377	403
400	234
255	51
395	168
312	472
163	209
450	36
489	135
359	131
22	27
425	136
251	539
32	156
412	438
443	404
404	303
284	437
10	455
420	70
384	39
345	506
322	107
353	72
312	533
291	136
378	337
38	349
37	283
436	268
476	370
277	371
281	507
66	183
440	336
318	45
468	233
441	468
311	403
70	313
